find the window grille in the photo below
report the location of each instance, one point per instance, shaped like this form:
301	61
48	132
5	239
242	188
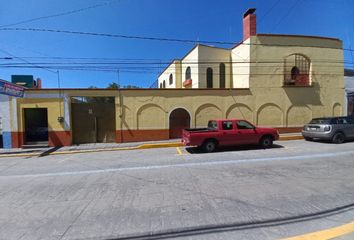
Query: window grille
297	70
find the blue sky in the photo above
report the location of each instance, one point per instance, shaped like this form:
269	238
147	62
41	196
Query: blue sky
183	19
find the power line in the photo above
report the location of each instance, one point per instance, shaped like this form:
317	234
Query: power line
59	14
156	38
211	61
24	60
323	73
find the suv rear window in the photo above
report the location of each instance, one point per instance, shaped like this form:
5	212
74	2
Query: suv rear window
321	121
336	120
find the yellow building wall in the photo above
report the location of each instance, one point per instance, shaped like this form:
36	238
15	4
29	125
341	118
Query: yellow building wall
52	106
211	57
143	113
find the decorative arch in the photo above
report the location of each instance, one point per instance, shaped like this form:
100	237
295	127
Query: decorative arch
151	116
337	110
240	111
298	116
206	112
270	114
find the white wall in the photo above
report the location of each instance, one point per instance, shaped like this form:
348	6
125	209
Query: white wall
166	75
5	113
191	60
241	58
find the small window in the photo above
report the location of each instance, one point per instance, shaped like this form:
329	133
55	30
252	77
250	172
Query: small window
160	85
209	78
171	79
244	125
342	121
350	120
212	125
222	75
227	125
164	84
188	73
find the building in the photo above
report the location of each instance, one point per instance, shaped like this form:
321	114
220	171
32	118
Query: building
281	60
281	81
349	91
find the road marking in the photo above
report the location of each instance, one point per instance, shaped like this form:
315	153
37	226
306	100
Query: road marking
327	233
178	165
179	151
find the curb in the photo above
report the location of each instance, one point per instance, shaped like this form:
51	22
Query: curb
143	146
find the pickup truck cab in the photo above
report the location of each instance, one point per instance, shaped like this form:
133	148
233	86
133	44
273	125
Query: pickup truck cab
228	132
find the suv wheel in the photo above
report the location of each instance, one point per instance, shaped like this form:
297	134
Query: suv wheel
338	138
266	142
209	146
308	139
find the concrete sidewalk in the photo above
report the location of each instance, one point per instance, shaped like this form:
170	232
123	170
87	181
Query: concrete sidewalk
97	147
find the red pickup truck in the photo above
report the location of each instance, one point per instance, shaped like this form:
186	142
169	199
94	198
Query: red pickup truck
228	132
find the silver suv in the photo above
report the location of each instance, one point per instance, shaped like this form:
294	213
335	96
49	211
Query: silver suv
335	129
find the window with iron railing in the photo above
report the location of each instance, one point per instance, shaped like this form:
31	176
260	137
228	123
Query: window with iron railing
297	70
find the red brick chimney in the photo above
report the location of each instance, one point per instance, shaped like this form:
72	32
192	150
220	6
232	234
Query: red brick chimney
39	83
249	24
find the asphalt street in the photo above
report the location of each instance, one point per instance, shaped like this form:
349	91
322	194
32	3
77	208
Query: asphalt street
236	193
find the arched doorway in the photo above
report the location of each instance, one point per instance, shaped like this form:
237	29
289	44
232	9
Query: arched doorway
179	120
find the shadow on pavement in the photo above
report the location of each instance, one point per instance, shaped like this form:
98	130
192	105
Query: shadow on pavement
196	150
49	151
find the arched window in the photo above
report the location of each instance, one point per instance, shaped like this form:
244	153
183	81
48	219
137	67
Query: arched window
222	75
164	84
160	85
297	70
209	73
188	73
171	79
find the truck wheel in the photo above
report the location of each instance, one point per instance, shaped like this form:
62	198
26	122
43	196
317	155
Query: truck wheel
338	138
266	142
209	146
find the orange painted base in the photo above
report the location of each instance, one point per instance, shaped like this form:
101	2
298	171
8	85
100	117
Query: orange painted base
55	139
289	129
59	138
17	139
141	135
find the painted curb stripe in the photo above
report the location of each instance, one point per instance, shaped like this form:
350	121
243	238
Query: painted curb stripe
327	233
